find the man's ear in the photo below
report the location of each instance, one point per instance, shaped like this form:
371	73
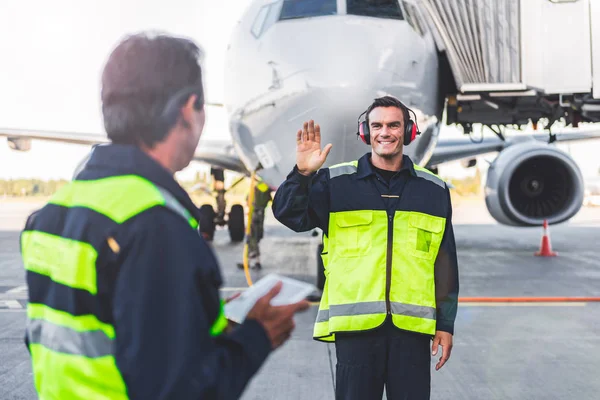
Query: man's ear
187	111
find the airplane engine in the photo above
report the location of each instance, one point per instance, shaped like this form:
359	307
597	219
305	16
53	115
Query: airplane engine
530	182
19	144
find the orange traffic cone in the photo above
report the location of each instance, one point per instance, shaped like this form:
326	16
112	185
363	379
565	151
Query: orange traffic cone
546	247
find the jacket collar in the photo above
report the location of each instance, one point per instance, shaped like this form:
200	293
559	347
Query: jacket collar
116	159
365	168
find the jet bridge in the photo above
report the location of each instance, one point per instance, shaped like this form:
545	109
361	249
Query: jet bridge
513	61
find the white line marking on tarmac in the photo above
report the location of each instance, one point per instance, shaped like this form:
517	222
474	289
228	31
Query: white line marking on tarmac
10	304
18	289
13	296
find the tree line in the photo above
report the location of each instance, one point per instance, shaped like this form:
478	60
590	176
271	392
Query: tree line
29	187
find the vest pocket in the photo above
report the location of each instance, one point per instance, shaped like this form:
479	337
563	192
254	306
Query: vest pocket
353	233
425	234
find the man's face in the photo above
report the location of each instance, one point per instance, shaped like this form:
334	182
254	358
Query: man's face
386	125
196	128
189	130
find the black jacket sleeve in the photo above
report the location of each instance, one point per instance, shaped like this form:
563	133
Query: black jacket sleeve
165	301
446	277
302	202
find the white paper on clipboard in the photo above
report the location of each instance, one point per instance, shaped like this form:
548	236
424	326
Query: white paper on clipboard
292	291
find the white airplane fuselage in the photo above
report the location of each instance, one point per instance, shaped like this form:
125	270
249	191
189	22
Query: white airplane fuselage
325	68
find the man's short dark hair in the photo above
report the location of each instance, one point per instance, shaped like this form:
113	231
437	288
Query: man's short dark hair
388	101
145	73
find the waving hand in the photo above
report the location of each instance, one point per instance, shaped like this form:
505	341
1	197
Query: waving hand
309	156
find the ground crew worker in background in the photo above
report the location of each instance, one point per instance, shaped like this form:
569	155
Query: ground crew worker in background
262	197
123	291
389	254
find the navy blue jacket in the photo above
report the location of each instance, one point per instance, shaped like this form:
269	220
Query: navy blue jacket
302	203
162	296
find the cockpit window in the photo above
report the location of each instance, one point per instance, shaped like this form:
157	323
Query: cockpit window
266	17
307	8
375	8
257	26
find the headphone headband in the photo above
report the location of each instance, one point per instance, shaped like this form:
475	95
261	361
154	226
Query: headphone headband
411	129
171	110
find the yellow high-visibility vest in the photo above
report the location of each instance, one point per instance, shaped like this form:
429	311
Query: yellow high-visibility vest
377	265
72	353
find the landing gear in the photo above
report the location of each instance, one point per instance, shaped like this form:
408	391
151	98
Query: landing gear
207	222
219	177
211	218
235	223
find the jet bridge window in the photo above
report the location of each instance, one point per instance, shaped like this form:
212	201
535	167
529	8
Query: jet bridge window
293	9
375	8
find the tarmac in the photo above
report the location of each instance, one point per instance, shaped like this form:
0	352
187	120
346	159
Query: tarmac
501	350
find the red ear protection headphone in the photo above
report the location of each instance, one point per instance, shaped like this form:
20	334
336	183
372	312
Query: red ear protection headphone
411	129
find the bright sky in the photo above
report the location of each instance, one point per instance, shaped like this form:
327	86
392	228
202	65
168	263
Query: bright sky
52	53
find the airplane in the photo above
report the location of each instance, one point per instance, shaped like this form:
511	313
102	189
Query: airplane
289	61
327	59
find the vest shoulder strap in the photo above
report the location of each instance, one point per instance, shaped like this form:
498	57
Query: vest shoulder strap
346	168
430	176
119	197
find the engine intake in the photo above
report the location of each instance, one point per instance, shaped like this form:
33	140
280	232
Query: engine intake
530	182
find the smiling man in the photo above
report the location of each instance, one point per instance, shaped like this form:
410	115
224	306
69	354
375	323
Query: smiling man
389	255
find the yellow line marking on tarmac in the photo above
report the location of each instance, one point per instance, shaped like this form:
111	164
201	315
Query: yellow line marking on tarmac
469	304
509	304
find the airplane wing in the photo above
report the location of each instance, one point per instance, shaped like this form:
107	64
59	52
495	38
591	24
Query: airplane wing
453	149
55	136
218	154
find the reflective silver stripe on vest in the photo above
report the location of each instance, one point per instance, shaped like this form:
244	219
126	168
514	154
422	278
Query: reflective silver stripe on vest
322	316
172	204
343	310
375	307
411	310
341	170
91	344
431	178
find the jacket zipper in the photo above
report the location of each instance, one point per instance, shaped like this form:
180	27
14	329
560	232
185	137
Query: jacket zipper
388	264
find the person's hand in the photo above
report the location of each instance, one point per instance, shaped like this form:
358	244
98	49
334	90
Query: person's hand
278	321
443	339
309	157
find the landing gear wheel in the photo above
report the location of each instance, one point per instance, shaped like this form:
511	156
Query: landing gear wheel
207	221
236	224
320	268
